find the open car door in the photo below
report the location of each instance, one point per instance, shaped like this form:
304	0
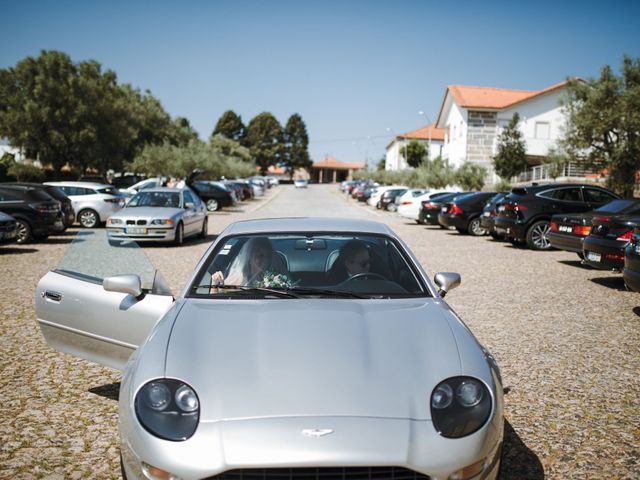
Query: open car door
78	316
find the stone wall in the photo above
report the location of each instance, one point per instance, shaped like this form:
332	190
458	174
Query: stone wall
481	133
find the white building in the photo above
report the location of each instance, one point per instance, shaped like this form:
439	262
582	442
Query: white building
473	117
6	148
429	136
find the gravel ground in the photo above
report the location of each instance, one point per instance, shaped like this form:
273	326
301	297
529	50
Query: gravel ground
565	336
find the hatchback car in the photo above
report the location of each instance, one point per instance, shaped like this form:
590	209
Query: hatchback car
387	200
92	202
463	213
524	216
213	194
287	375
37	214
66	205
160	215
409	205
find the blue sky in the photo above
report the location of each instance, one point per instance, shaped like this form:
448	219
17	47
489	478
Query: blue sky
352	69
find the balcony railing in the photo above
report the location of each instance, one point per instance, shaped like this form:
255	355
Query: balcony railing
570	170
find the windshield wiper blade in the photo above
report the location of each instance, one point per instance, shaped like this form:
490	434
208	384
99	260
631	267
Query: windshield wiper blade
285	293
327	291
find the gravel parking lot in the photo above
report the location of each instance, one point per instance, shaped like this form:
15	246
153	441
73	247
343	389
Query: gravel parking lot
565	336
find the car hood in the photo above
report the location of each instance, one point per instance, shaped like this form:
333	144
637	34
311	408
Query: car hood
297	357
147	212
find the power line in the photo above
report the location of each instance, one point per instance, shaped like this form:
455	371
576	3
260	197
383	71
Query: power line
353	139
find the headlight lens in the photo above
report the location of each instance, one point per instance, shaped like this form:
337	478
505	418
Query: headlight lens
168	409
460	406
114	221
162	221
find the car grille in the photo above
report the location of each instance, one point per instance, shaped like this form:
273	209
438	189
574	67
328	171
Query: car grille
326	473
136	222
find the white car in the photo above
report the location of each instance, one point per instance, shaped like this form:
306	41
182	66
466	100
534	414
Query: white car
300	183
93	203
410	206
143	185
377	193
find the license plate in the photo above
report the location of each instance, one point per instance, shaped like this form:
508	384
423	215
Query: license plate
10	234
136	230
593	256
486	214
565	228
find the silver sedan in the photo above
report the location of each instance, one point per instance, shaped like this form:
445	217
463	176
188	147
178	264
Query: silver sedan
160	215
299	348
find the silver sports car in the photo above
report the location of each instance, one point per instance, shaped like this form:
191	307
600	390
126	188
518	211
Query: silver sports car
160	215
300	348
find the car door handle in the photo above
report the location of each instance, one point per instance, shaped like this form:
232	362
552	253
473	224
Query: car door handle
50	295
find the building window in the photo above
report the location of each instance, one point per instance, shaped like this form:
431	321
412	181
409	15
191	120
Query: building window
542	130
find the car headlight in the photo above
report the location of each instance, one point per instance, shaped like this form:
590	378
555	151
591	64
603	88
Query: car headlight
162	221
114	221
168	409
460	406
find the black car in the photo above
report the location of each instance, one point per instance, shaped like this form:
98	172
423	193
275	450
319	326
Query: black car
66	207
244	188
388	199
524	216
37	214
569	230
215	196
631	270
430	209
487	219
8	229
126	181
604	247
463	213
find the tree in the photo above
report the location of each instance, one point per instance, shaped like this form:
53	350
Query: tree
414	153
470	176
603	124
511	158
555	162
296	145
381	166
264	139
438	173
230	126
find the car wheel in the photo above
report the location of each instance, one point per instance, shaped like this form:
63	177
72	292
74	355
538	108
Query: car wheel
205	228
213	205
537	236
475	229
88	218
179	237
392	207
23	231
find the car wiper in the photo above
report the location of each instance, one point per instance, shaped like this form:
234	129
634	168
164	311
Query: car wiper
285	293
326	291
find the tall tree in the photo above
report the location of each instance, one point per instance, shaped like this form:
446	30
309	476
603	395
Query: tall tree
470	176
603	124
264	139
414	153
296	145
230	126
511	158
439	173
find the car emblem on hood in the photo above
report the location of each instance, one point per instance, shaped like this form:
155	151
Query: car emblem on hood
316	432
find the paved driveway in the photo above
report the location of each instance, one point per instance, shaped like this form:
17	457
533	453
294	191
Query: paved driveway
567	339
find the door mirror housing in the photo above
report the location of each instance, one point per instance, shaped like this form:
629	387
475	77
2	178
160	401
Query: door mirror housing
446	281
129	284
189	205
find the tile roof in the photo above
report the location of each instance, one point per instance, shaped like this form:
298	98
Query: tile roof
495	98
423	133
330	162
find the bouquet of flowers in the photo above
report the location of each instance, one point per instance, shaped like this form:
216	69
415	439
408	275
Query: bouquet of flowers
274	280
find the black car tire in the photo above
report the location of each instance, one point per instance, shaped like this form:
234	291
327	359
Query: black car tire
88	218
205	228
537	235
213	205
23	231
474	227
179	237
495	236
462	231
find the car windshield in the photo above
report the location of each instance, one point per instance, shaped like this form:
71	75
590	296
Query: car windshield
155	199
320	265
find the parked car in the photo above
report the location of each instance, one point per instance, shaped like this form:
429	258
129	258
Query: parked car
489	212
463	213
524	216
430	209
8	229
37	214
101	179
144	184
66	205
288	376
243	189
604	247
387	200
569	230
214	194
160	215
631	270
377	193
409	205
127	180
410	194
300	183
92	202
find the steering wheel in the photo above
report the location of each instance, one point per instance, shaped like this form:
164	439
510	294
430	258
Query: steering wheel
360	276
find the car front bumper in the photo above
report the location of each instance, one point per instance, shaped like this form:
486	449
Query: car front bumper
265	443
161	233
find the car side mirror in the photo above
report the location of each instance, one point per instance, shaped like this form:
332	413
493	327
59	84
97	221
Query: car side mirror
124	284
189	205
446	281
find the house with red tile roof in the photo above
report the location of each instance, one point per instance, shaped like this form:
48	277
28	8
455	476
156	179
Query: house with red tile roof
473	117
330	170
429	135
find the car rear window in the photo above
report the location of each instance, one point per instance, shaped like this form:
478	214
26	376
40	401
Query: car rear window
38	195
618	206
